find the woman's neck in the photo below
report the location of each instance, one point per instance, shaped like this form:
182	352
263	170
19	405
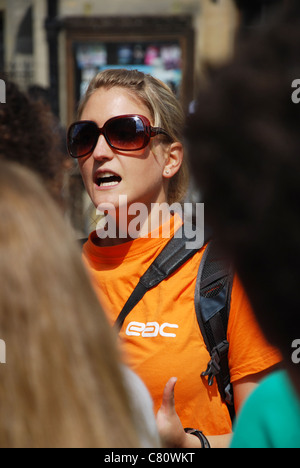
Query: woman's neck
133	223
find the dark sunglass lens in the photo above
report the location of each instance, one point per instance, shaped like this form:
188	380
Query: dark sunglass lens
82	137
126	133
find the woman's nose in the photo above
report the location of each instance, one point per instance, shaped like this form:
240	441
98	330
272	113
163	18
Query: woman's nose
102	150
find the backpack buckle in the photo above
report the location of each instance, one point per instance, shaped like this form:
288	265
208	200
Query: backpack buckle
213	367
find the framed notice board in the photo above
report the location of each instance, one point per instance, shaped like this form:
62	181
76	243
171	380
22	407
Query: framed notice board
161	46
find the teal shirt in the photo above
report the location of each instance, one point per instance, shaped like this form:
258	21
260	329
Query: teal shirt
270	417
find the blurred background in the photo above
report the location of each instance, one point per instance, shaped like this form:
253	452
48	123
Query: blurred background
57	46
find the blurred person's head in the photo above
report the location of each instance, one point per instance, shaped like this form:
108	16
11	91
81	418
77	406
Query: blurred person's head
30	137
244	143
61	385
156	173
257	12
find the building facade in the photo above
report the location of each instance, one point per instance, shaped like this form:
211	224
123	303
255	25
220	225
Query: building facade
58	44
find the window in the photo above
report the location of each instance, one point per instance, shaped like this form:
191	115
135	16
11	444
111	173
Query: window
161	46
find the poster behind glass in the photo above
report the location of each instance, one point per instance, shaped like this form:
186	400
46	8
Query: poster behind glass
161	59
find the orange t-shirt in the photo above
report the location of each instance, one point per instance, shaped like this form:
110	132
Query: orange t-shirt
161	336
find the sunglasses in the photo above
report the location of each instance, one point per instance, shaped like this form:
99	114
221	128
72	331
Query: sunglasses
124	133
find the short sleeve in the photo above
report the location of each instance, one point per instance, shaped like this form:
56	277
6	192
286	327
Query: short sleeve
249	352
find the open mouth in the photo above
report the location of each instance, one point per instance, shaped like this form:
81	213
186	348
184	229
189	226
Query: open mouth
108	180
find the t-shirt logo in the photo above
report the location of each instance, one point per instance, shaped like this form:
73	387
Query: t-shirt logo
150	329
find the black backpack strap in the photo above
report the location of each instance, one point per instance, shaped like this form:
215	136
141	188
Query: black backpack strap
212	304
173	256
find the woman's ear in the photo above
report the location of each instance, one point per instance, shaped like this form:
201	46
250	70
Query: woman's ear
174	160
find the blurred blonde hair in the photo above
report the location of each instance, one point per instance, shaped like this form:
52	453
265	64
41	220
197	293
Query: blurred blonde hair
62	384
164	108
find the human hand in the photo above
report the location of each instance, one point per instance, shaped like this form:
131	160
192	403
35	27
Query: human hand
169	425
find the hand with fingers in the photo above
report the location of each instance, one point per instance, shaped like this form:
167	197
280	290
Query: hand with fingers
169	425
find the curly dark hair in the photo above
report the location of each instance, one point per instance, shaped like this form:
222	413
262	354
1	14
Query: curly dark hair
244	145
30	136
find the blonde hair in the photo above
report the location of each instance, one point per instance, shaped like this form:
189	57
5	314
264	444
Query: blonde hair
62	384
164	108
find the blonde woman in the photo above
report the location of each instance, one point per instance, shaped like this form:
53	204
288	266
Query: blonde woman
129	144
62	384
